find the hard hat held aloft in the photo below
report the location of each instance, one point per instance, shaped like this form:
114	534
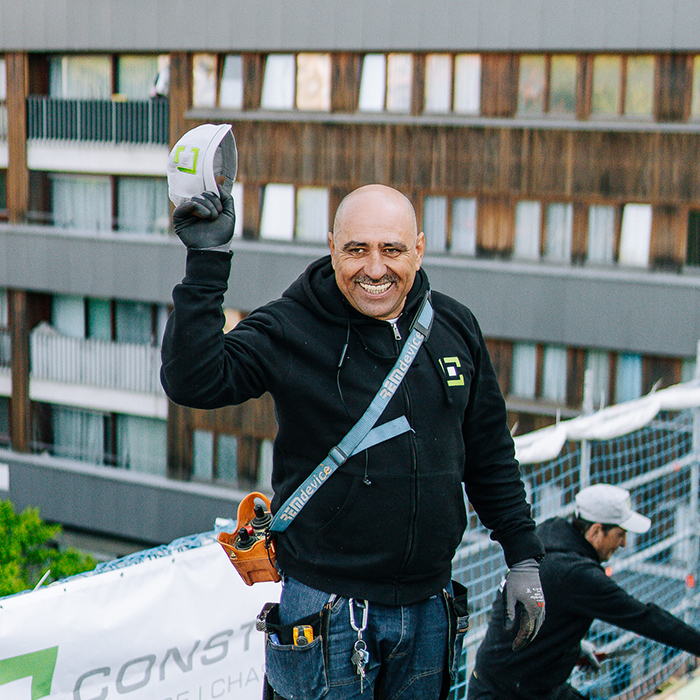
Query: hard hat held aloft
203	157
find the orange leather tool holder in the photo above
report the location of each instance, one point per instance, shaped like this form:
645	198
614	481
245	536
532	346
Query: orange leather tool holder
254	562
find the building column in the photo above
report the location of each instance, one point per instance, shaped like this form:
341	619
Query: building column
179	94
20	407
17	171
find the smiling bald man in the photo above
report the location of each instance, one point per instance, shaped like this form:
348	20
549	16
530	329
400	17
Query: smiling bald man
367	544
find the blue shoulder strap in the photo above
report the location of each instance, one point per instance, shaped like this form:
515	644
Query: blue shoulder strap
363	435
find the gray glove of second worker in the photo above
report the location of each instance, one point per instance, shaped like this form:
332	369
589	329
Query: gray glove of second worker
206	222
524	601
588	654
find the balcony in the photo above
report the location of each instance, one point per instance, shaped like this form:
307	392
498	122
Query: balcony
96	374
111	121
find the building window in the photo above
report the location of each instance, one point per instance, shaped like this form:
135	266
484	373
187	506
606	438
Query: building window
98	319
3	173
628	378
467	90
554	373
524	370
527	230
203	455
81	201
531	84
302	81
695	100
463	229
277	219
80	77
204	67
623	85
313	82
136	76
547	84
639	86
558	233
133	322
601	234
278	82
3	80
438	83
562	85
689	369
142	205
435	223
141	444
373	83
216	457
227	458
231	84
399	82
312	207
4	309
635	236
215	81
607	71
80	434
693	245
68	315
597	379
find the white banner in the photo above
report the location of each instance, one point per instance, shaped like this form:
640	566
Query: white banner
176	627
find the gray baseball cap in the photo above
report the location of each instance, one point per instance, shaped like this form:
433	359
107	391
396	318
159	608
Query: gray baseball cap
198	158
607	504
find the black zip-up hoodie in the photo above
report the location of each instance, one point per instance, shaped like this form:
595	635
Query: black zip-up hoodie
577	591
385	526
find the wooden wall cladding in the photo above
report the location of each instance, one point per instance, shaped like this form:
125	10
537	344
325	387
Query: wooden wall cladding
656	168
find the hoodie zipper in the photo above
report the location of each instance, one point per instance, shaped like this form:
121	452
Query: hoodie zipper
414	463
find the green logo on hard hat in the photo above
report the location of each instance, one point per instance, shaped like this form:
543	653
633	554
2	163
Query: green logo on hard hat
188	158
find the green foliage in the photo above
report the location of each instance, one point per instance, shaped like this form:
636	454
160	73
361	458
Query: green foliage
28	551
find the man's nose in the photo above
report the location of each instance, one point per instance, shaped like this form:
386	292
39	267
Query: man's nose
374	265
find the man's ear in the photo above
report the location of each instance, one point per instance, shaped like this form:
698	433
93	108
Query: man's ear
593	533
331	246
420	248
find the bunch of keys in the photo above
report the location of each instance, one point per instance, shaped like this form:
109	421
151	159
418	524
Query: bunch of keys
360	655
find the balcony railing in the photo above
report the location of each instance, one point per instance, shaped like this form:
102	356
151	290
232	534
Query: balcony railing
134	121
96	363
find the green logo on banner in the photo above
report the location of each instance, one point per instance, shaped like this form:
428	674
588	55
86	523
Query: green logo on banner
39	665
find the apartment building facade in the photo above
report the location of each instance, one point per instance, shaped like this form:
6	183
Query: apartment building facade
550	151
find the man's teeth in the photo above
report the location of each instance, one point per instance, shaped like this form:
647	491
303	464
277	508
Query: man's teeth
375	288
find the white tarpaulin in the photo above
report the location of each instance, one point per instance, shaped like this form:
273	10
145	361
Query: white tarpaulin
613	421
176	627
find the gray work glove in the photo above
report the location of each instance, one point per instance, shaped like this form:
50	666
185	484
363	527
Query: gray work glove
588	654
206	222
523	601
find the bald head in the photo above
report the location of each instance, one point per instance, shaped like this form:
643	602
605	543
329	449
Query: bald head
376	250
371	199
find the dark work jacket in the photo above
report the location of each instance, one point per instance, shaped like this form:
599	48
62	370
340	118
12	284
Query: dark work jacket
385	526
577	591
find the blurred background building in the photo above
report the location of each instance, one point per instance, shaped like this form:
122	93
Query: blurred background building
550	148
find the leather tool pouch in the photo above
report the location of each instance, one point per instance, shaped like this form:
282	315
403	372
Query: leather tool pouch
250	548
294	669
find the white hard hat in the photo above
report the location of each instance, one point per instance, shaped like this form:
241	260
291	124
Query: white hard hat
202	154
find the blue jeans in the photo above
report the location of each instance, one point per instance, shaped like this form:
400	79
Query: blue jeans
407	647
